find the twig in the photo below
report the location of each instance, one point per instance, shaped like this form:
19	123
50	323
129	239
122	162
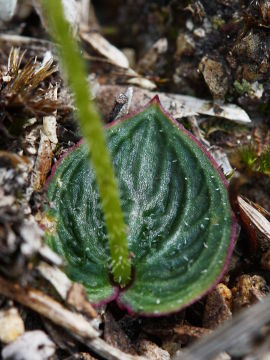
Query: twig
73	293
76	324
109	352
48	307
31	43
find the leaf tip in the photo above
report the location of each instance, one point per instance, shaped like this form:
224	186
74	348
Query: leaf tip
155	100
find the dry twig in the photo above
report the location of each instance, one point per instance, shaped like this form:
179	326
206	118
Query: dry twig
76	324
48	307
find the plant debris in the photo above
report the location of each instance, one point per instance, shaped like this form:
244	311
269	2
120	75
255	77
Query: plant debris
33	345
209	63
178	105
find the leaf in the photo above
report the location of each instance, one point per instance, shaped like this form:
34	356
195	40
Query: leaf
176	207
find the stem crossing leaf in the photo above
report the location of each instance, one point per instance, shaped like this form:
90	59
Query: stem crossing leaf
176	207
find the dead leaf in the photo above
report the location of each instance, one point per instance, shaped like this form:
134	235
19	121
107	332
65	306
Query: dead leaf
255	223
104	48
178	105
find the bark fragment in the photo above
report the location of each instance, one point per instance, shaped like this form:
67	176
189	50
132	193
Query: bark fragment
248	290
215	76
217	307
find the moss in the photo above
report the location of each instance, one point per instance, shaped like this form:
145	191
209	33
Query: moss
217	21
263	162
242	87
248	155
253	161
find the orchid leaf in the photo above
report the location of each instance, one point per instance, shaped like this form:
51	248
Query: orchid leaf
176	208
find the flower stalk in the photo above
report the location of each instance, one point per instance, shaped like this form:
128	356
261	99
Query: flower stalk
92	129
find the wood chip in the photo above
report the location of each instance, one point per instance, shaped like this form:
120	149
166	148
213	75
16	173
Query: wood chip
215	76
77	297
121	105
43	162
49	122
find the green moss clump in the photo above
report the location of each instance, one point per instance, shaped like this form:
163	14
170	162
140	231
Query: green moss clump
242	87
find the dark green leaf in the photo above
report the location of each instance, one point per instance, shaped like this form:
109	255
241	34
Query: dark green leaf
176	207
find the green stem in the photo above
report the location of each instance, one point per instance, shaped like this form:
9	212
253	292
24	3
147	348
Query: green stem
92	129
